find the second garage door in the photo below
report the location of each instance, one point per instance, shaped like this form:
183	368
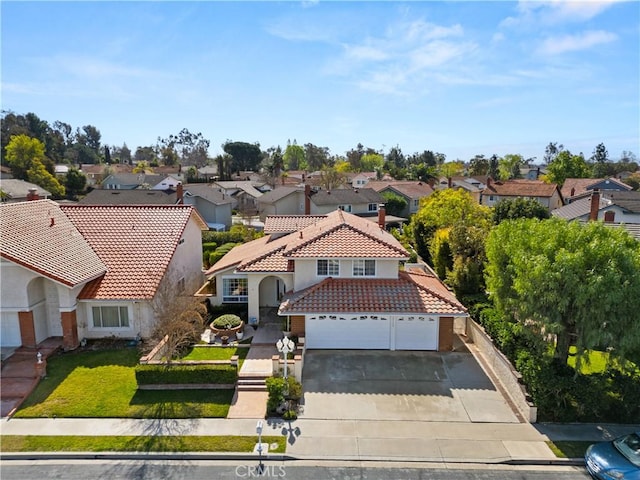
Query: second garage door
416	332
337	331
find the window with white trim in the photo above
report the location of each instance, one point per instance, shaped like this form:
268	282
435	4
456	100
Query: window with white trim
110	317
235	290
363	267
345	208
328	268
373	207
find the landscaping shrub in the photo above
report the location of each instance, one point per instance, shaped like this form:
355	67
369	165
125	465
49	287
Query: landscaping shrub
185	374
227	321
279	394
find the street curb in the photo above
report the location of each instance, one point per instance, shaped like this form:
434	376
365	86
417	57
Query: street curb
267	458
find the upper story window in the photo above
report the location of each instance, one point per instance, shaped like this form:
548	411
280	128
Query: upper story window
328	268
110	317
345	208
235	290
373	207
364	267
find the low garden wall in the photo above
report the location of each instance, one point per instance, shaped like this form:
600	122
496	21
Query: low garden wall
503	369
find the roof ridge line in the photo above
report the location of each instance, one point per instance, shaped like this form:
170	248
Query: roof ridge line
422	287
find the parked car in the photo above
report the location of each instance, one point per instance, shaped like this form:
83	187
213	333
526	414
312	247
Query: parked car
618	459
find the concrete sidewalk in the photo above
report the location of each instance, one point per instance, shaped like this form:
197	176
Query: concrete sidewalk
354	440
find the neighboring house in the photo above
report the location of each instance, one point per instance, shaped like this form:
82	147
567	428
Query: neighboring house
169	182
607	206
337	280
244	194
95	173
410	191
362	179
131	181
576	188
533	173
547	194
83	271
283	200
130	197
359	201
208	172
473	185
20	191
211	202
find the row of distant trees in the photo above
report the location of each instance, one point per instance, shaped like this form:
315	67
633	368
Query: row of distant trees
82	145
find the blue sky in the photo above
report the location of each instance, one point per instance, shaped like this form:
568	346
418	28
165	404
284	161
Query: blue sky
460	78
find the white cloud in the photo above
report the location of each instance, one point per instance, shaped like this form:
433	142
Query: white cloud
556	11
571	43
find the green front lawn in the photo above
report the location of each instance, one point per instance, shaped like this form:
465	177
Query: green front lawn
152	443
215	353
102	384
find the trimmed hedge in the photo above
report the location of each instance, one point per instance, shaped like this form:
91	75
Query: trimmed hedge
185	374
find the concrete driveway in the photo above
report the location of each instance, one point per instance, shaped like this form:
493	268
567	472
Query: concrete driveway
385	385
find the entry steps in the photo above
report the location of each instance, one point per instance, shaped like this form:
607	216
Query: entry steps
252	383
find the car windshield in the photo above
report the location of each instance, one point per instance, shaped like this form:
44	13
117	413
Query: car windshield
629	446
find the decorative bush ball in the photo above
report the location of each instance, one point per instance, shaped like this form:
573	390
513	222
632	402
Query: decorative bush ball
227	321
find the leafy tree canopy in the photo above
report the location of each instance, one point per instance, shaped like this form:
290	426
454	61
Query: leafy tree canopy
508	209
22	151
445	208
579	282
565	165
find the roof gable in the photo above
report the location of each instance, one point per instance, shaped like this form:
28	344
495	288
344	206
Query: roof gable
135	242
40	237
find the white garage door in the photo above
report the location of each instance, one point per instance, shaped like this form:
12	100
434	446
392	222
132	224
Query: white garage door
351	331
10	331
416	332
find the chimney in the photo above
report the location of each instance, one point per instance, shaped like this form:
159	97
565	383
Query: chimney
450	182
307	199
180	194
573	191
595	205
381	216
489	180
431	182
33	194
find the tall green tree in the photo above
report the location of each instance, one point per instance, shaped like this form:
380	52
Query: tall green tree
442	209
578	282
294	157
371	162
39	175
494	167
394	204
600	160
21	152
478	165
245	156
75	183
509	166
512	209
565	165
316	157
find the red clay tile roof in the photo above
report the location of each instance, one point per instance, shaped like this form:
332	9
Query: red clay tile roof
135	242
343	295
289	223
338	234
342	234
40	237
521	188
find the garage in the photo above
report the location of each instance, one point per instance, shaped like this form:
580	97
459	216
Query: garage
348	331
416	332
10	330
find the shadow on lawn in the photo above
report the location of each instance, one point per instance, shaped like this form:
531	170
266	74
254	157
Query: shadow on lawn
164	405
62	364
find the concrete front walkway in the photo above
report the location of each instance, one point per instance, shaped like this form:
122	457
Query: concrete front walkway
257	365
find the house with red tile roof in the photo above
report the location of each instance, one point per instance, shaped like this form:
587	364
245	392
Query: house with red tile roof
547	194
341	281
91	271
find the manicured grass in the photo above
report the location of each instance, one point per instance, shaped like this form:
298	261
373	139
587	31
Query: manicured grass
215	353
102	384
569	449
594	362
152	443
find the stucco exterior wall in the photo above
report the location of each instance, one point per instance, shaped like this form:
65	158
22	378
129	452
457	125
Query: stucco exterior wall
306	271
